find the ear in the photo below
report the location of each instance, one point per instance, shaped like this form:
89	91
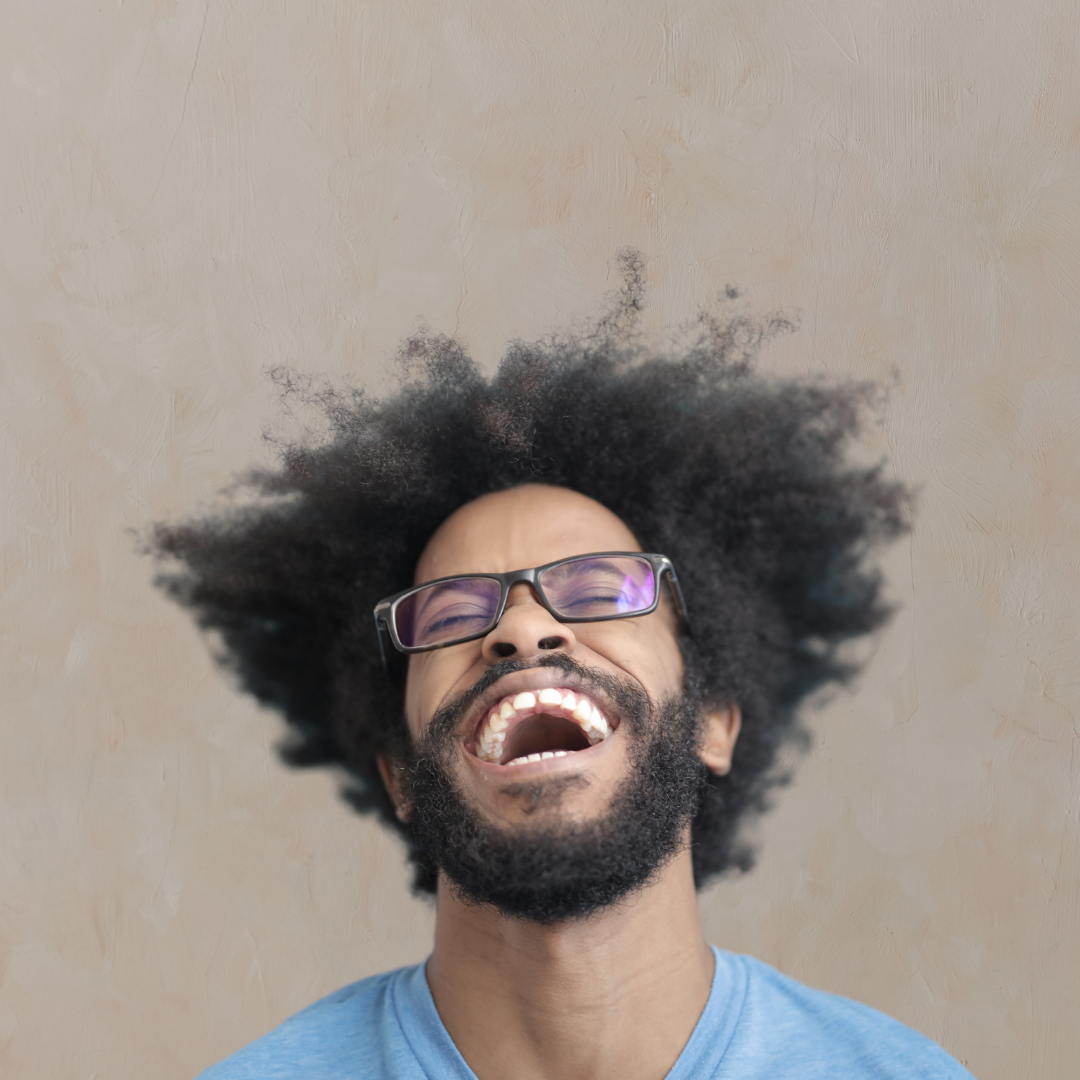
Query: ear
390	771
719	732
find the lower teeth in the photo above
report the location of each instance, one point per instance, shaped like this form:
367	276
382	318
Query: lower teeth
528	758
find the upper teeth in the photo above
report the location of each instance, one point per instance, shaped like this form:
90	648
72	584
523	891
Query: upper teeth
574	706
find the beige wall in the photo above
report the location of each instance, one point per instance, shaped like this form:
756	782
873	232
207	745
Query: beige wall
192	192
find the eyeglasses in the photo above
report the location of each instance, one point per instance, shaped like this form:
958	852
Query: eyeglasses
587	588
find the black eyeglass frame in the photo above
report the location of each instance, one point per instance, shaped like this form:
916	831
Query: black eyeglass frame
385	610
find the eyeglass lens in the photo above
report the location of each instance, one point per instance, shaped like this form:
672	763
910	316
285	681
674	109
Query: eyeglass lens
585	588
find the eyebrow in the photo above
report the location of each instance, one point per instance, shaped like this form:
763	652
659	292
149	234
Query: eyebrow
601	564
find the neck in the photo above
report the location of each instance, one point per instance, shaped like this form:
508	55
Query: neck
613	995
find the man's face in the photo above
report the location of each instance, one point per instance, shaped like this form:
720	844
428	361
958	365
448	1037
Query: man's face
509	530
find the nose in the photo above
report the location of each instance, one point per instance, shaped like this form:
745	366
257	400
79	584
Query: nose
526	629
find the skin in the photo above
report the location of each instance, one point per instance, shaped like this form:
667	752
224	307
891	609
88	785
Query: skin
618	994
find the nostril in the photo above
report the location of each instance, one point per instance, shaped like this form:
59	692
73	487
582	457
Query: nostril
504	648
551	643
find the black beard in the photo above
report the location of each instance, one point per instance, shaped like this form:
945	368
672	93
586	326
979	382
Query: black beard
550	873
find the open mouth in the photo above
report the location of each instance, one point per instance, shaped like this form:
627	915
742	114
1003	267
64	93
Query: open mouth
536	725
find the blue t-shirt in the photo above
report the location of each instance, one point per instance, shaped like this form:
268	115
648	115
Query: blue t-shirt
756	1025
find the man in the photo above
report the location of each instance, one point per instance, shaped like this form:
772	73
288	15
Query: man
602	584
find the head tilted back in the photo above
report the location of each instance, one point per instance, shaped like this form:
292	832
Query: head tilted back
742	482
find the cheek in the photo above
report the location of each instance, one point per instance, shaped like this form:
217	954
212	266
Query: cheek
416	689
417	685
433	677
645	648
665	648
670	661
666	664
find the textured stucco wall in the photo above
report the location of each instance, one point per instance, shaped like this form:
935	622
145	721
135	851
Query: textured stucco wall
194	191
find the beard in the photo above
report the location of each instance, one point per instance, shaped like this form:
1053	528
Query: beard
552	872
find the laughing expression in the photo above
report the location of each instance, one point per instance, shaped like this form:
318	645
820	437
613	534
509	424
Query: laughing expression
525	728
539	728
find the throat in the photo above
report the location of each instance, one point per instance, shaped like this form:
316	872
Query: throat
569	998
544	734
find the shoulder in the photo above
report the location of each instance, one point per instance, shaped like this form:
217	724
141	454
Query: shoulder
793	1030
352	1027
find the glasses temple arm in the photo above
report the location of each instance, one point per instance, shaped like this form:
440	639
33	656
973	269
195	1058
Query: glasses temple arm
379	624
676	592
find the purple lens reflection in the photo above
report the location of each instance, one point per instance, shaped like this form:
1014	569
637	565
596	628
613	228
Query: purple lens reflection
447	611
593	587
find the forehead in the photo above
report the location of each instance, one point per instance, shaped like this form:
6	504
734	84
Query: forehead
521	527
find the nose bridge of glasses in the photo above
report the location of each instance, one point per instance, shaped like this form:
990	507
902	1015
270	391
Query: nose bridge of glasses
527	625
523	591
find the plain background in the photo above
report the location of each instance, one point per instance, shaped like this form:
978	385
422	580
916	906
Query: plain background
195	191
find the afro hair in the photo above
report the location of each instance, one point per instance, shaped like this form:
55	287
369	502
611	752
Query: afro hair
743	482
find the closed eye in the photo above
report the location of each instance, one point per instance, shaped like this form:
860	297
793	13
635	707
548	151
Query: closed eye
594	599
444	621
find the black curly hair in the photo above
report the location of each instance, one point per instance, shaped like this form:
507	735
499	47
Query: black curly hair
743	482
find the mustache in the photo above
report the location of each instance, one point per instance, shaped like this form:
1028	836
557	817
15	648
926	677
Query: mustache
632	701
